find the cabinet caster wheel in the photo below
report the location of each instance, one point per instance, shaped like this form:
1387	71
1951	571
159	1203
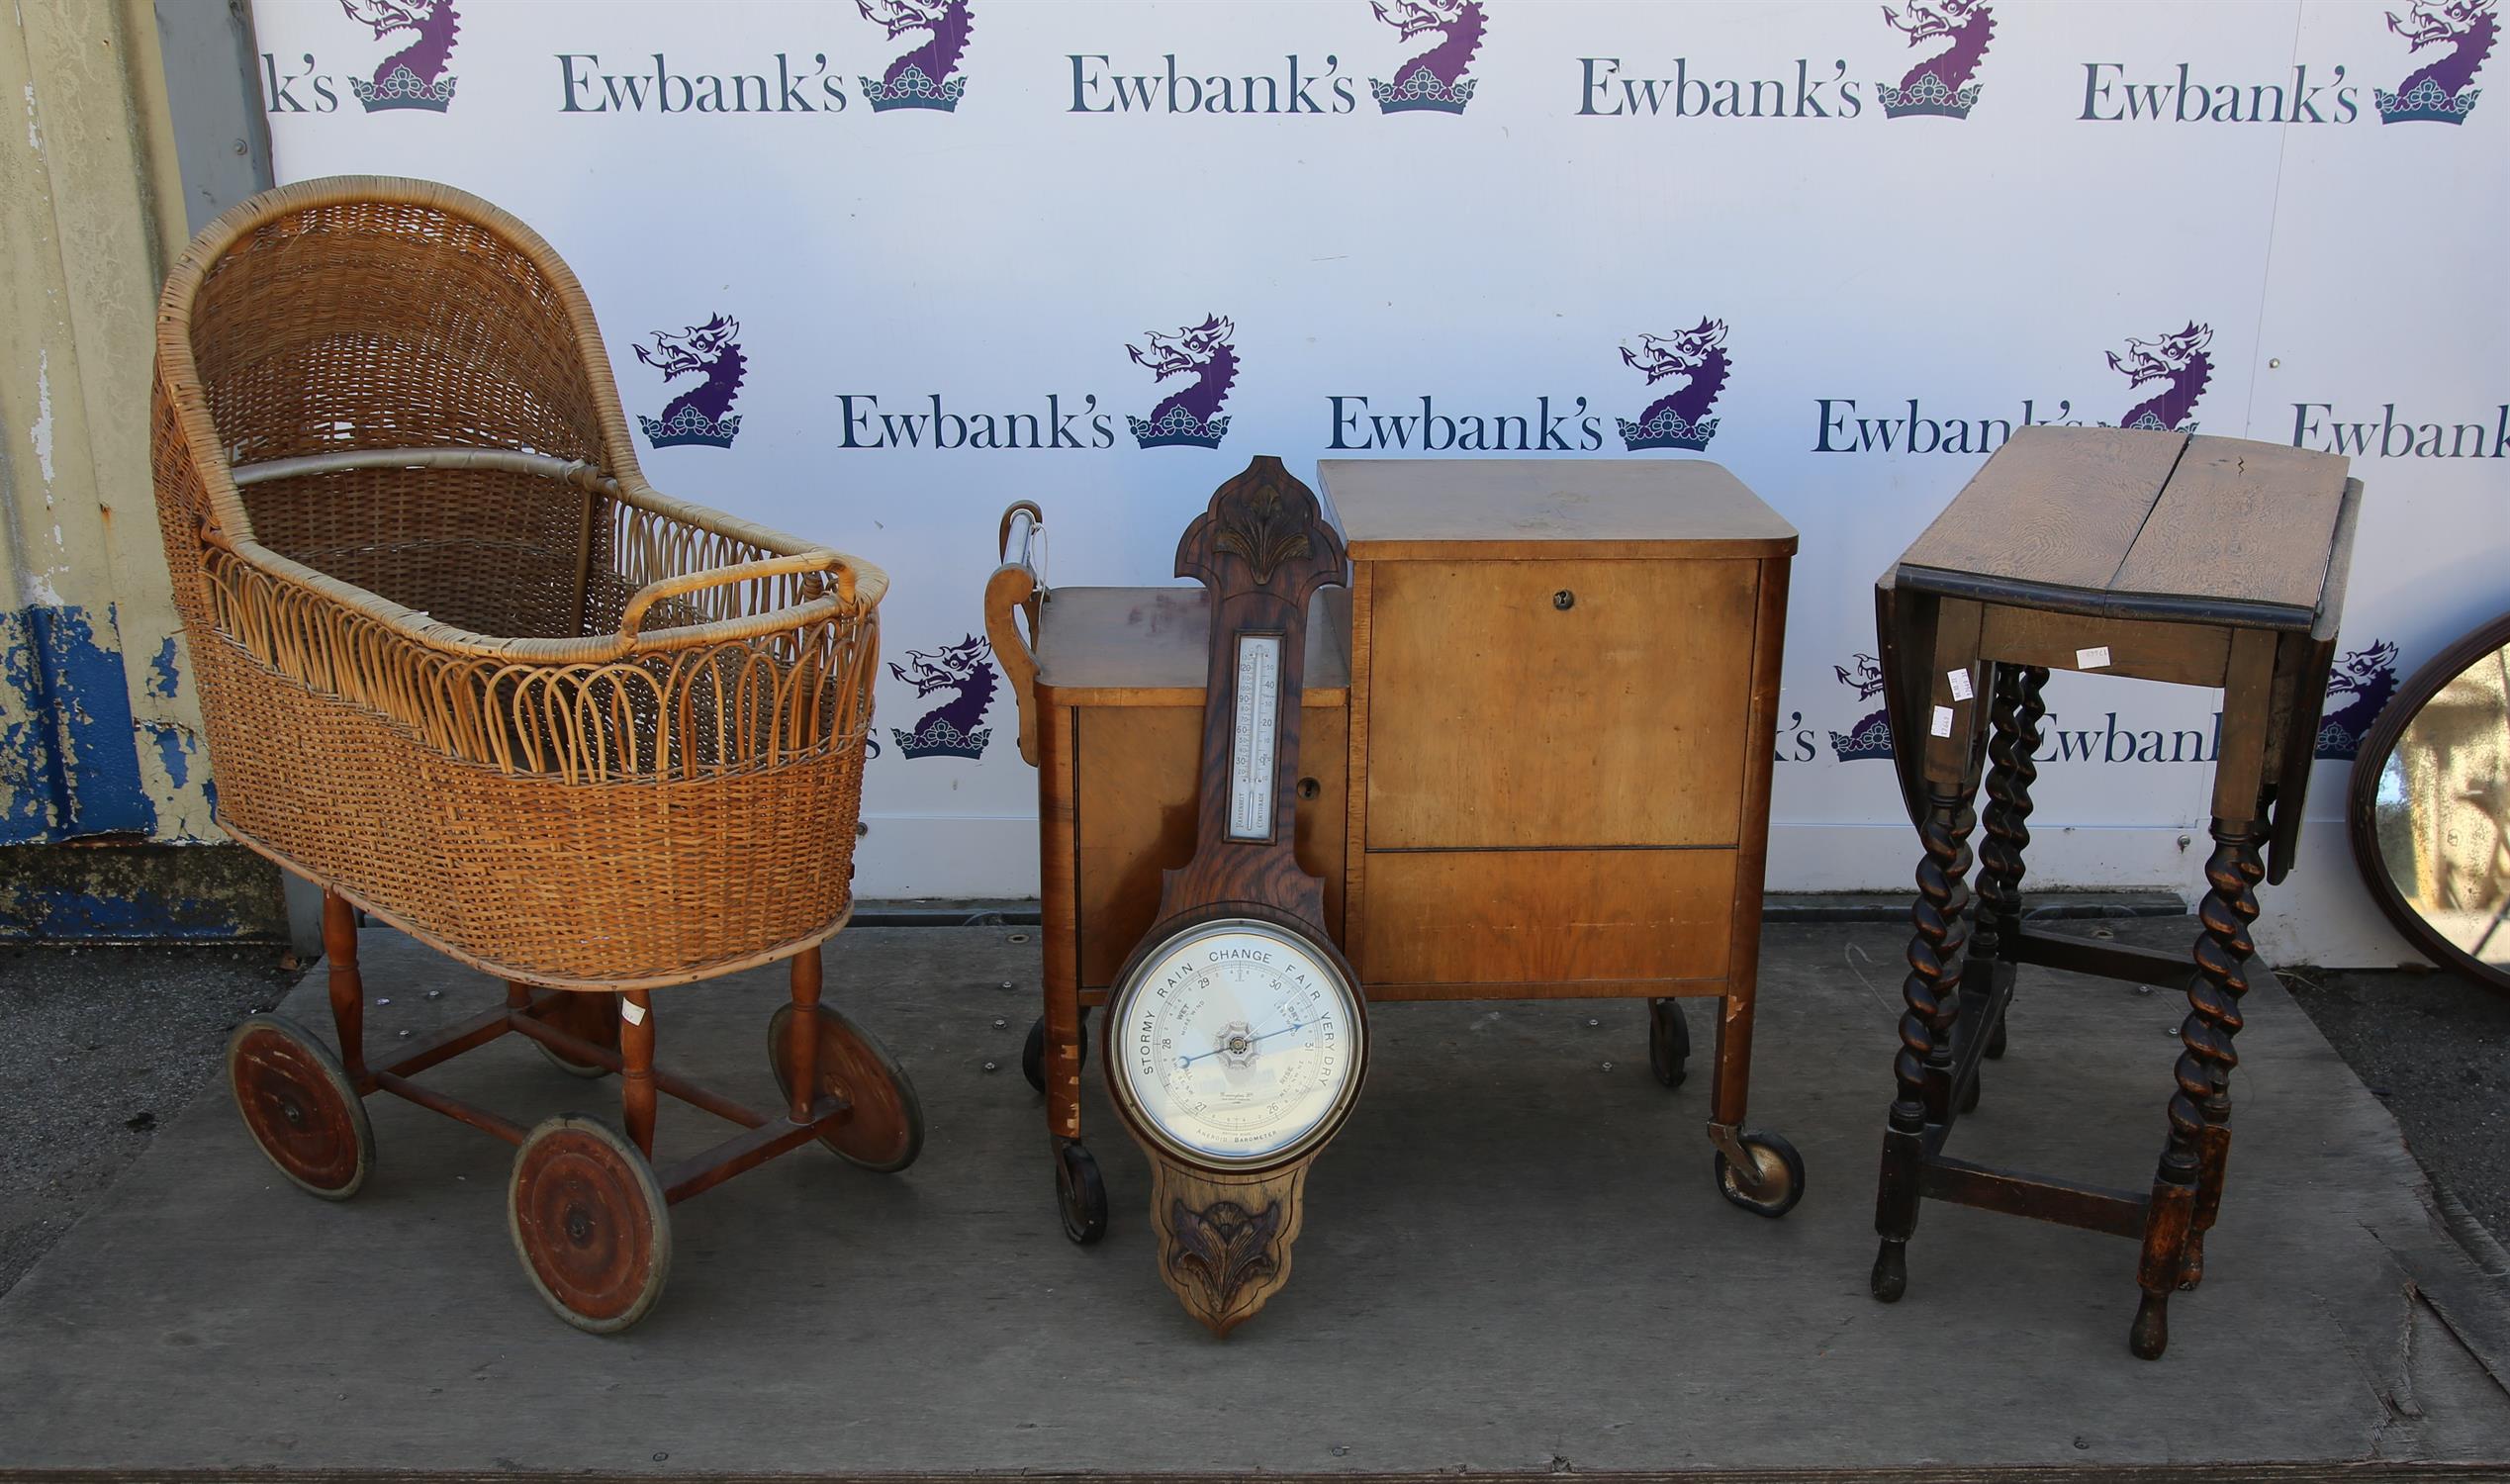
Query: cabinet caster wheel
883	1131
1996	1041
590	1223
1890	1272
1774	1187
587	1015
1080	1194
1033	1054
1668	1042
299	1106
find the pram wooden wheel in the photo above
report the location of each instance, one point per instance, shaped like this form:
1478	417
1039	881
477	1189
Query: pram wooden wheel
590	1223
300	1107
593	1017
1776	1185
1668	1042
883	1131
1080	1193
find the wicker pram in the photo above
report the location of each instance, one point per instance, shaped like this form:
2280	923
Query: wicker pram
462	667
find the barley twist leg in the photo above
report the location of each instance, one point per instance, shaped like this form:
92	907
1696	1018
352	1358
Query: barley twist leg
2205	1061
1931	994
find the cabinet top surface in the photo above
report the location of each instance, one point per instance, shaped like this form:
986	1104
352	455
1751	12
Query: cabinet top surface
2146	523
1152	646
1392	509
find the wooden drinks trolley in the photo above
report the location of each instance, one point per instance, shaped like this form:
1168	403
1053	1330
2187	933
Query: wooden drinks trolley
1534	753
2153	555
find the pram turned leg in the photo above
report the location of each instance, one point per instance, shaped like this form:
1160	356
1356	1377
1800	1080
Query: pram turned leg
349	988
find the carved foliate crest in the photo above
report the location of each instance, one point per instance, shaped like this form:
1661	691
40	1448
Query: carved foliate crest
1270	521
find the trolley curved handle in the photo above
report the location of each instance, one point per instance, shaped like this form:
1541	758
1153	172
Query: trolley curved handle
1016	588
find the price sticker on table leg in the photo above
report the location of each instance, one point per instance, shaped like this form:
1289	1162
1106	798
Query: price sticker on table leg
1943	721
1960	680
2095	658
634	1013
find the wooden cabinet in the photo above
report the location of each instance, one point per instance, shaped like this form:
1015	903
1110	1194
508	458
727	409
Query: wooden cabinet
1537	733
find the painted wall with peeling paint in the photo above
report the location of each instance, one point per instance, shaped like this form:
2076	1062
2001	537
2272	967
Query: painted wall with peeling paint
99	734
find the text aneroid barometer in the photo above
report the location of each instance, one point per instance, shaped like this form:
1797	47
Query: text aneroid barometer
1236	1037
1238	1045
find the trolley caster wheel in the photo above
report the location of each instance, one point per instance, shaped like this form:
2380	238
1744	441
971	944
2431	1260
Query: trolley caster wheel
883	1131
1033	1054
590	1223
1890	1272
587	1015
1080	1194
1668	1042
1994	1046
1777	1182
298	1105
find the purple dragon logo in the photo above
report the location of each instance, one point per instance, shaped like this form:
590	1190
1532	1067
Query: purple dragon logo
2442	90
1189	416
1871	737
1944	83
952	729
2180	363
927	76
1434	80
415	75
1679	418
703	413
2364	679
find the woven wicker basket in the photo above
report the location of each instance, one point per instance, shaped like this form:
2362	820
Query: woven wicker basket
459	661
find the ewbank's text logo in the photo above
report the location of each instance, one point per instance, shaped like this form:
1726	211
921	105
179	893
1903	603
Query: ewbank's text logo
1695	362
702	414
2317	425
1189	416
955	728
2458	35
926	76
1943	82
1444	35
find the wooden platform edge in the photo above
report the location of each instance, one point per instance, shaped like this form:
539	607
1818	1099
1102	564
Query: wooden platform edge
2331	1471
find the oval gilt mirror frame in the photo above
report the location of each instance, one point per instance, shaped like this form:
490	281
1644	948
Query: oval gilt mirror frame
2429	809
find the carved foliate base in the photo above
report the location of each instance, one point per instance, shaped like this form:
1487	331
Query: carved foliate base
1225	1240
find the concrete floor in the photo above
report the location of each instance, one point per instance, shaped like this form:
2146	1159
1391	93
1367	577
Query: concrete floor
1514	1261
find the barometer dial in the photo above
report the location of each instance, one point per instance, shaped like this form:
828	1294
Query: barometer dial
1235	1044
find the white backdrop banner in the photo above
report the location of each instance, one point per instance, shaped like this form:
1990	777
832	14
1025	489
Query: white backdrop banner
870	271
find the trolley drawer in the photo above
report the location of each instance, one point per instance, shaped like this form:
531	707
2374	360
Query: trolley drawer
1548	917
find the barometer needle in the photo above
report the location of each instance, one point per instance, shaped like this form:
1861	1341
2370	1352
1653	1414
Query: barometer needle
1252	1040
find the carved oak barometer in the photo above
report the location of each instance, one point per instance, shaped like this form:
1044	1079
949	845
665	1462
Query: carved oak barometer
1236	1037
